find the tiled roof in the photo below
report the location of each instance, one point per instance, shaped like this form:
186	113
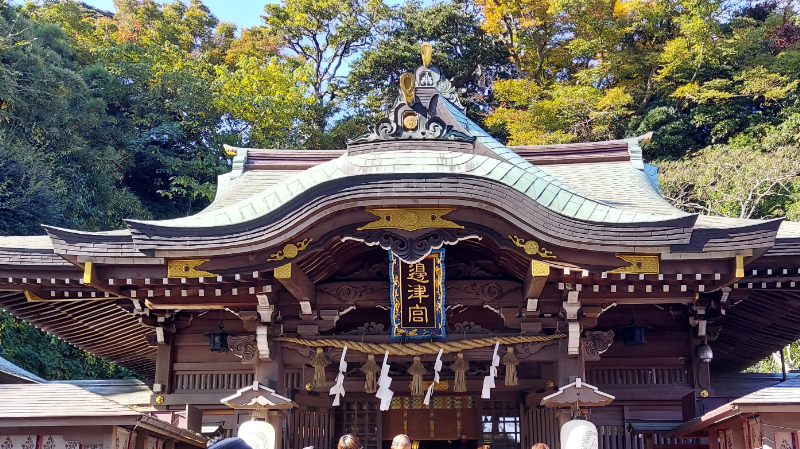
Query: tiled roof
13	370
784	393
59	404
130	392
515	172
36	401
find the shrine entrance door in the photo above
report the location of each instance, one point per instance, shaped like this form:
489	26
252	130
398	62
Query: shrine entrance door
450	422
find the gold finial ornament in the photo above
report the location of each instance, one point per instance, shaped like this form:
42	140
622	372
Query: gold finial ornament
159	399
407	82
427	52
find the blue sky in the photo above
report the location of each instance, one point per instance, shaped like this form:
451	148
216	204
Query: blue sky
244	13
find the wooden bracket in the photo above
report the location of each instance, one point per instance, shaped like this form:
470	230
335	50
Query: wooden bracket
265	309
535	280
263	343
298	284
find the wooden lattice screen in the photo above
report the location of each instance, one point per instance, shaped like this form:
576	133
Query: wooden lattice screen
540	425
311	428
362	420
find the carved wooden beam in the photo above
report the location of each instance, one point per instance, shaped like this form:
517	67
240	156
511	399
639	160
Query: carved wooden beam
535	280
298	284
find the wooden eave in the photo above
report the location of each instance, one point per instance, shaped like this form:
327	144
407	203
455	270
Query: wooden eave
102	328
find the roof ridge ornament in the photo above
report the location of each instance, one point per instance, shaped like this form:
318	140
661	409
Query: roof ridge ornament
426	49
414	116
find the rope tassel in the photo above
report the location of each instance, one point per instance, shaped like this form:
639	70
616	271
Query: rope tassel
460	366
511	362
370	368
319	362
417	370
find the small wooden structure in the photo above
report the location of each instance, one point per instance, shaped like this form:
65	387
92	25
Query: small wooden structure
63	416
769	417
565	254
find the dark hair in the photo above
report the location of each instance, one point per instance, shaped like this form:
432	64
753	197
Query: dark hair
349	441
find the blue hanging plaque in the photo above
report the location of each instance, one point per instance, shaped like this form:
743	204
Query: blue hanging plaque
418	296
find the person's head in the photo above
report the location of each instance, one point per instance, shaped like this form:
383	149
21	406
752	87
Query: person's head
401	441
349	441
540	446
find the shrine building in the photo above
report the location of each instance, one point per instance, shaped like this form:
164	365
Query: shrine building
530	281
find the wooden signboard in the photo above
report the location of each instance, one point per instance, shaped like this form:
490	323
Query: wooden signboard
418	296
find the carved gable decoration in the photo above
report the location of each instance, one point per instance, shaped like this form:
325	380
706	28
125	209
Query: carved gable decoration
244	347
596	343
414	115
257	396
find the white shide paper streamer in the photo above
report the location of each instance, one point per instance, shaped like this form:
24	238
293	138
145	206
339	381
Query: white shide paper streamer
436	368
384	393
488	381
337	391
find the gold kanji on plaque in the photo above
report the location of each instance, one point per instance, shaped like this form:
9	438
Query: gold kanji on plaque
416	272
418	296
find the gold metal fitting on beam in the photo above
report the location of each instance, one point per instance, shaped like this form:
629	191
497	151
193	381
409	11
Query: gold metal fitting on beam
638	264
186	268
290	250
531	247
410	219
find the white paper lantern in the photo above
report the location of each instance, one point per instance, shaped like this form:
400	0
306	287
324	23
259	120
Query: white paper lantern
258	434
579	434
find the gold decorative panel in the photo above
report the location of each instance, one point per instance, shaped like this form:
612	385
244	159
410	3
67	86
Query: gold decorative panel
638	264
441	386
410	219
283	271
290	250
531	247
186	268
540	269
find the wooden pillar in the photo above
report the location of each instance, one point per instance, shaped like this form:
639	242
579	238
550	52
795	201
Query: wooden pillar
169	444
141	438
164	356
568	367
713	442
648	441
272	375
738	436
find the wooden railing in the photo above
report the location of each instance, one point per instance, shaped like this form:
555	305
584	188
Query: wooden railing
211	381
617	437
639	376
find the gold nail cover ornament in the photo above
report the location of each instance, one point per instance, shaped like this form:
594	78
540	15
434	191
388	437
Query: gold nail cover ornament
427	51
407	87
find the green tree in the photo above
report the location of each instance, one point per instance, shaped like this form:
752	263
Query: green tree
463	51
48	357
268	98
323	34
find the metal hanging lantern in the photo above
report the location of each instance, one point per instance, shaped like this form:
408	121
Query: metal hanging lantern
218	341
704	352
633	335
